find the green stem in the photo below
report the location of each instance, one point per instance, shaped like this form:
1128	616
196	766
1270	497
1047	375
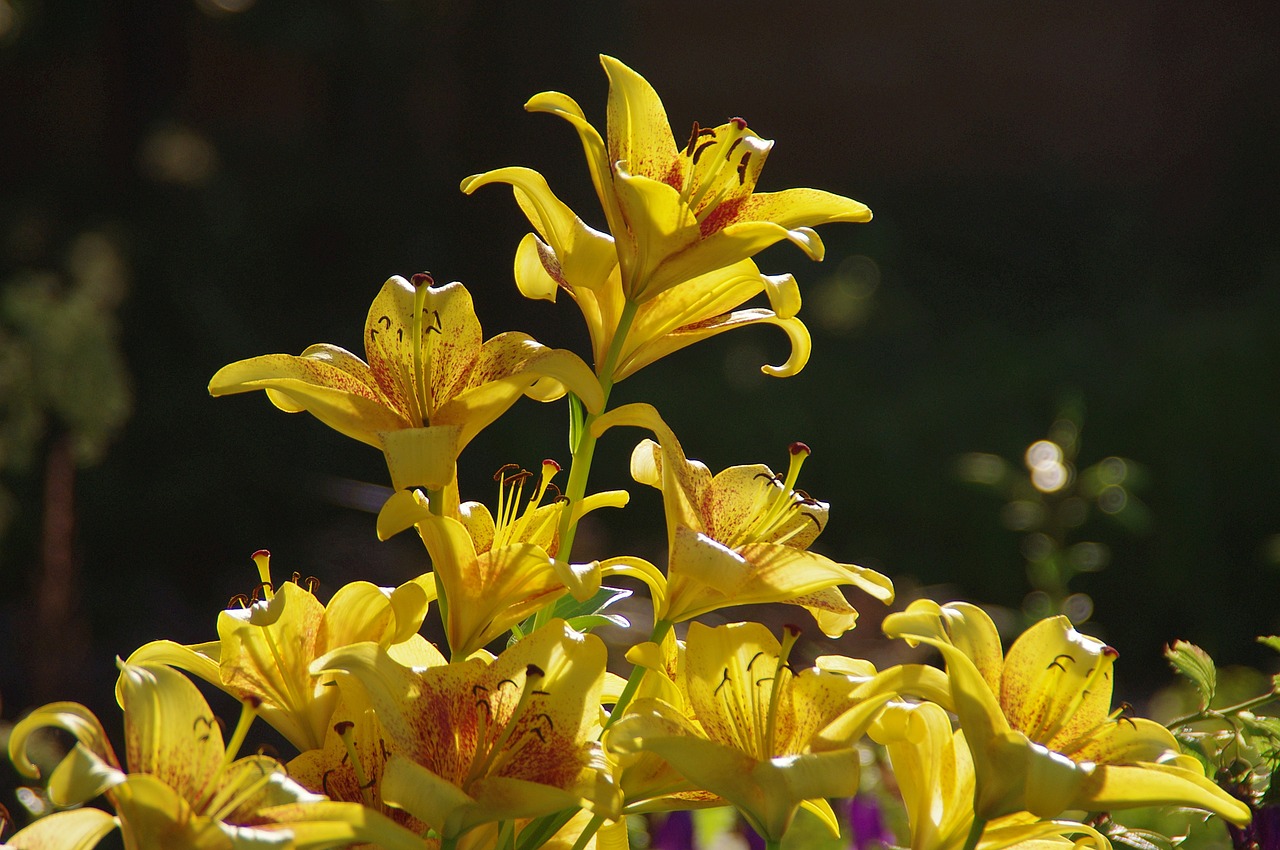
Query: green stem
975	833
1223	713
660	629
584	452
435	503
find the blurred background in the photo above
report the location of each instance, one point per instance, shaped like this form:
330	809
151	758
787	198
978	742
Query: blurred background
1044	377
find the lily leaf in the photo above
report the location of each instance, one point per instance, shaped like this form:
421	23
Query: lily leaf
582	616
567	607
587	622
1193	662
577	419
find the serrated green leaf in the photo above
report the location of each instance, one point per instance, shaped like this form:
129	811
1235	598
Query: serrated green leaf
1261	725
587	622
1193	662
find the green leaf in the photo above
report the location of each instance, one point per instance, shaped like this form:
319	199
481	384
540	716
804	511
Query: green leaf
567	608
1261	725
577	421
587	622
1271	641
572	611
1193	662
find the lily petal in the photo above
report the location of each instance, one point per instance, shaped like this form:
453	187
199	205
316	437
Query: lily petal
77	829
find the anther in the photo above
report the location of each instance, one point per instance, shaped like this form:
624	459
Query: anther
423	278
742	169
754	658
501	474
239	599
724	680
702	147
1056	662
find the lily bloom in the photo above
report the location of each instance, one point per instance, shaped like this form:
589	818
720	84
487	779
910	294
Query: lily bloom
349	766
742	535
182	790
764	738
479	741
495	573
933	770
678	211
429	386
264	651
566	254
1039	723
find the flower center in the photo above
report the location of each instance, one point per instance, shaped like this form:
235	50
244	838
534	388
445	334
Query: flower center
499	740
753	703
422	345
512	524
718	160
1057	680
775	506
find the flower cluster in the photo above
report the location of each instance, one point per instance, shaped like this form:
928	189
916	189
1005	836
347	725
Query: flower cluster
403	744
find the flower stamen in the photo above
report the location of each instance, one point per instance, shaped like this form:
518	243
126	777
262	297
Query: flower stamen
493	755
346	731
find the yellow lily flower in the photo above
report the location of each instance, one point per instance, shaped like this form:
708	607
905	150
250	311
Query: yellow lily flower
676	212
429	386
497	573
479	741
264	651
1039	722
742	535
933	770
349	767
764	738
566	254
183	790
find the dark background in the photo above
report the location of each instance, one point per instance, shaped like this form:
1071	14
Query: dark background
1071	201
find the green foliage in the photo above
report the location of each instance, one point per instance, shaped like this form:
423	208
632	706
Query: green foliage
583	616
1194	663
61	367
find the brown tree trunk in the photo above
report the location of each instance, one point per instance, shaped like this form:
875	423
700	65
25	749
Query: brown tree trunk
58	639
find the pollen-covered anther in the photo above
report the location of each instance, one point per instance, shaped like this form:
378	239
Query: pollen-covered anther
501	475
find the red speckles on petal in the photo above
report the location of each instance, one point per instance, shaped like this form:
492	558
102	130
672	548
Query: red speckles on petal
721	217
